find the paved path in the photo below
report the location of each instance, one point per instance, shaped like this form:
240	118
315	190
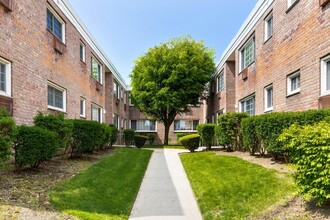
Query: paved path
165	192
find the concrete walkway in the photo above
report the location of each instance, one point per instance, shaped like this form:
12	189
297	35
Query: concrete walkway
165	192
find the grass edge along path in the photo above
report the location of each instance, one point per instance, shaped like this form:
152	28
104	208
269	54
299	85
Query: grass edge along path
106	190
228	187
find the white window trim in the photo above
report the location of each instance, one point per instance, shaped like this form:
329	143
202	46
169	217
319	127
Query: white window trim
291	2
64	97
117	89
245	99
252	38
269	16
183	131
289	78
101	69
266	98
8	78
101	111
145	131
84	51
60	20
218	82
84	107
324	90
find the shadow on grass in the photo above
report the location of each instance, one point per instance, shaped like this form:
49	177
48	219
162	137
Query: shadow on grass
107	190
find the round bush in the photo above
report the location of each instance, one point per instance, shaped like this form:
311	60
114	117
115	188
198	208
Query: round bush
129	136
151	138
34	145
140	140
191	142
7	133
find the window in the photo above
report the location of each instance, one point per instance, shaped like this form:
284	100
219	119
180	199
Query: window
268	97
82	49
291	2
122	93
82	107
269	26
220	82
56	97
325	76
124	123
96	70
130	99
247	105
96	113
293	83
185	125
55	24
116	121
5	77
116	89
247	54
125	97
143	125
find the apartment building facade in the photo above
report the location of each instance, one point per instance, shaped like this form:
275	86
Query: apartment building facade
278	61
50	62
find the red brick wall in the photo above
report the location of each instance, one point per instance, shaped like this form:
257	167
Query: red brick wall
26	42
300	38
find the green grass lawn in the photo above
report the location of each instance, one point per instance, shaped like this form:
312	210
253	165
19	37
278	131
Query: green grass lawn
107	190
166	146
232	188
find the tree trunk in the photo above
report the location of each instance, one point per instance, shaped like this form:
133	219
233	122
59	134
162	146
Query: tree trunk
167	131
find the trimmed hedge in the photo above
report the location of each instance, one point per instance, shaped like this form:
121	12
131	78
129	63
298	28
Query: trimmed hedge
182	134
128	136
7	134
190	142
206	132
34	145
151	138
56	123
228	131
88	136
140	140
310	150
268	127
251	141
114	134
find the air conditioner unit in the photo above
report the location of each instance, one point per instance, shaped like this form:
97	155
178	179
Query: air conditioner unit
244	74
58	45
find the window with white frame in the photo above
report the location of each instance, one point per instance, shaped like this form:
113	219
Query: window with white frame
185	125
122	93
268	97
291	2
56	97
116	120
220	82
5	77
125	97
116	89
293	83
325	76
55	24
269	26
247	105
247	53
96	112
124	123
82	107
96	70
143	125
82	51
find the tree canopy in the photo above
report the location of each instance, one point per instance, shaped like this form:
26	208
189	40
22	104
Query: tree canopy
170	77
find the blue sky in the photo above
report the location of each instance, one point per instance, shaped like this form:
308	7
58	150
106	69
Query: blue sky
126	29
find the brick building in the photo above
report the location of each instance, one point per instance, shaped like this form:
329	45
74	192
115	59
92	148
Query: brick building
278	61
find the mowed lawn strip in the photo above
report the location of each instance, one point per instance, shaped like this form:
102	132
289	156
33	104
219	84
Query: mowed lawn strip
231	188
107	190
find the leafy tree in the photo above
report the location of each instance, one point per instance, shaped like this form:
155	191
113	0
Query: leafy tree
171	77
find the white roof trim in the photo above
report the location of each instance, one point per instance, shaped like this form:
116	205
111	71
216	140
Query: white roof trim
259	9
73	17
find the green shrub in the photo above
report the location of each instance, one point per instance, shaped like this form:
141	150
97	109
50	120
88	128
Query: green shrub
129	136
206	132
106	135
7	133
114	134
140	140
87	136
251	141
190	142
151	138
56	123
182	134
228	132
310	150
34	145
268	127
